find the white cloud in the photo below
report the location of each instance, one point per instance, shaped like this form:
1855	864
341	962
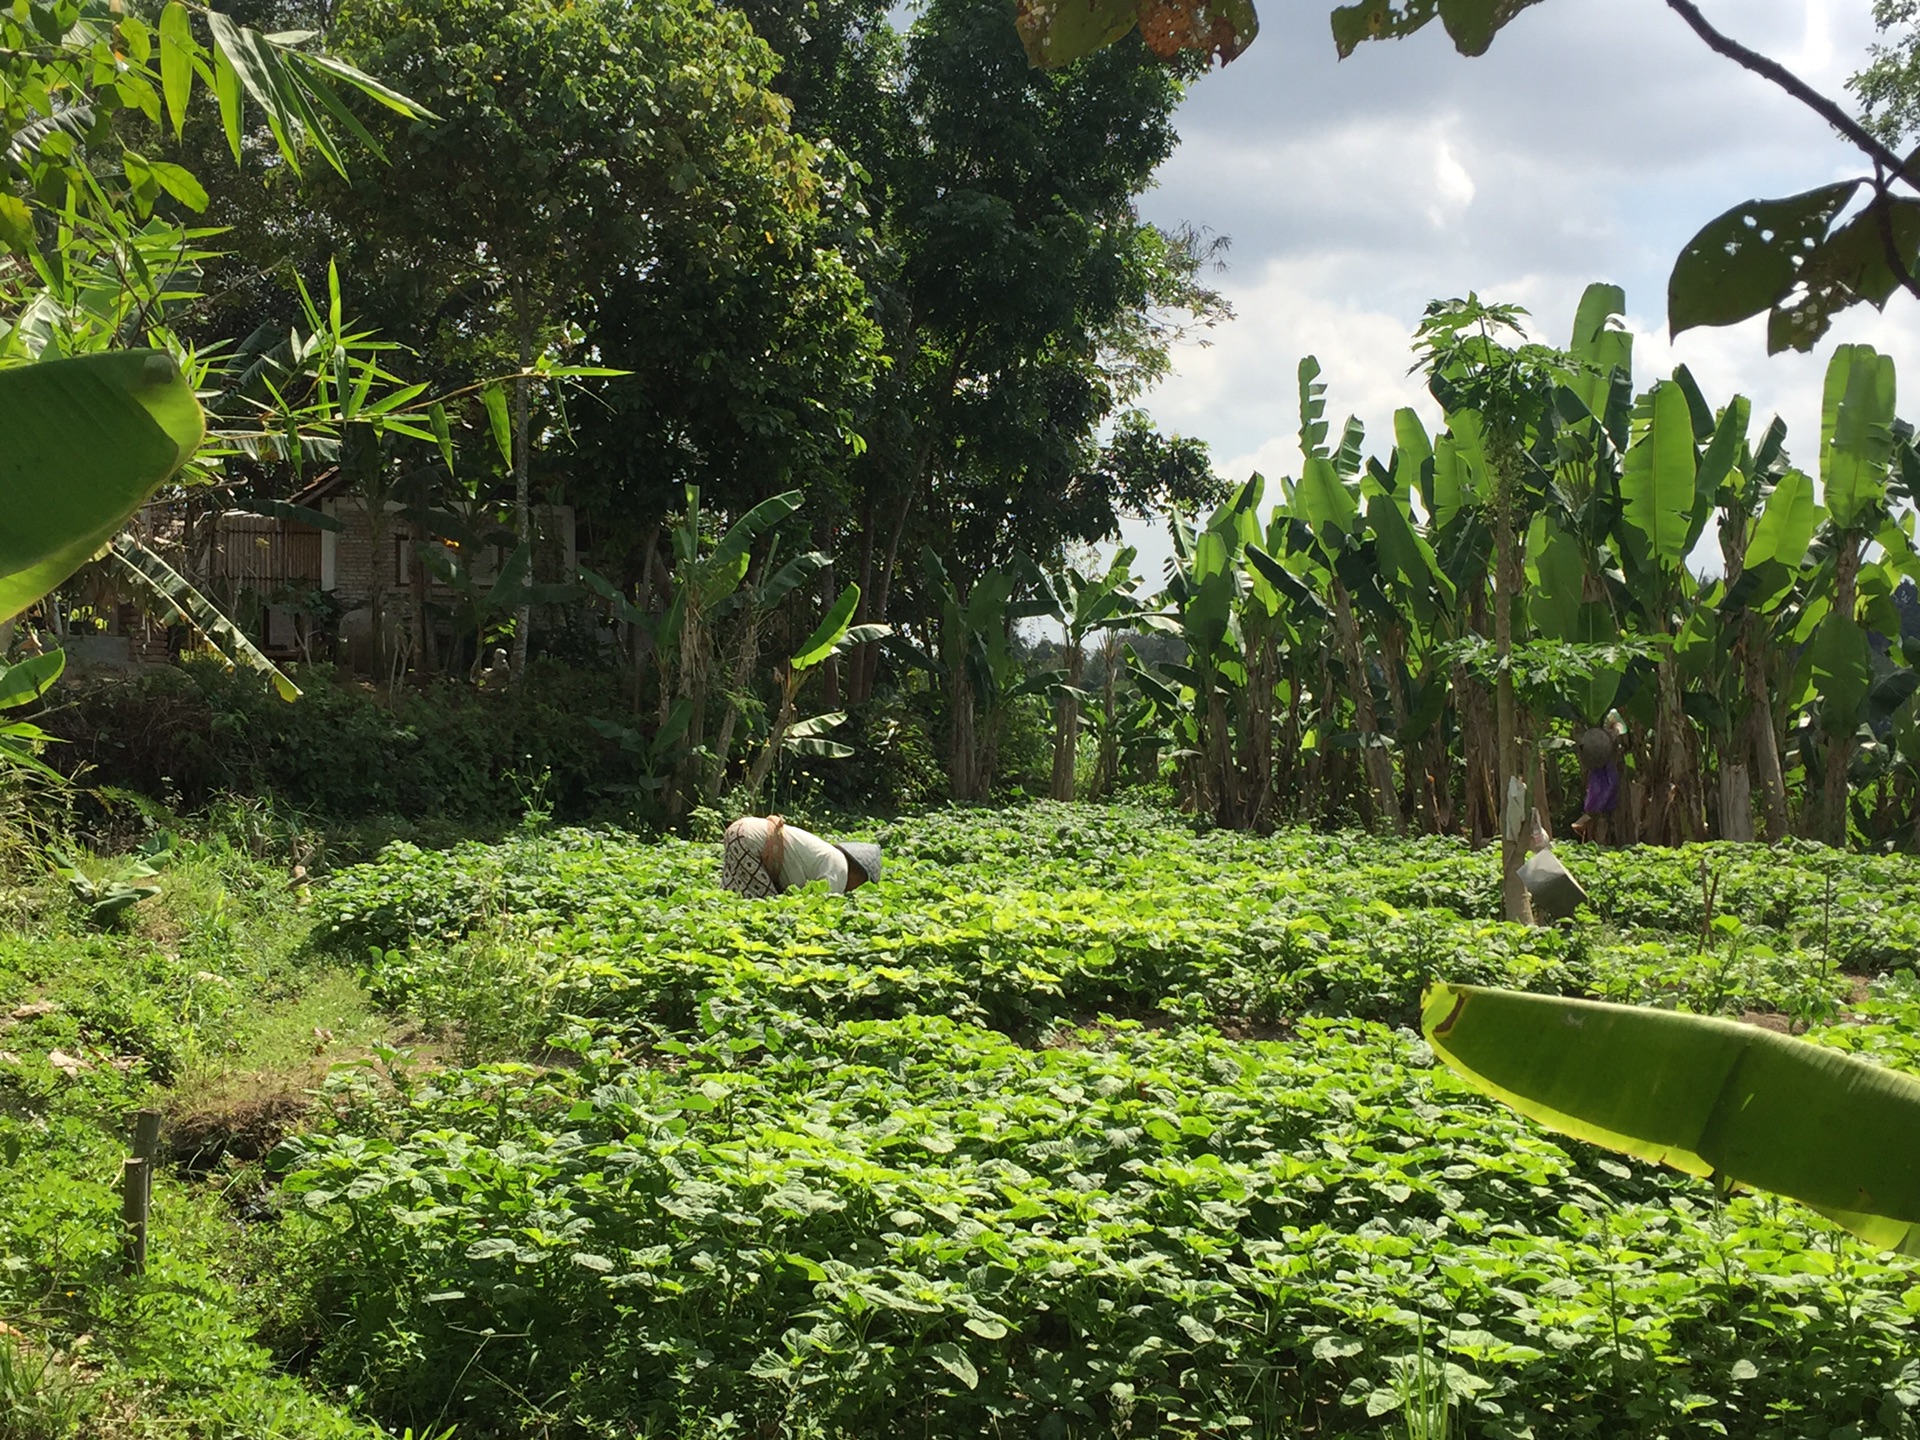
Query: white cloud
1593	140
1453	188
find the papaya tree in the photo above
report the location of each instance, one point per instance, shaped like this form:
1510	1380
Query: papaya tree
1498	397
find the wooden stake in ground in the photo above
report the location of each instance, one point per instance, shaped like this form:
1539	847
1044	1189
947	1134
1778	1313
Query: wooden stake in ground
136	1187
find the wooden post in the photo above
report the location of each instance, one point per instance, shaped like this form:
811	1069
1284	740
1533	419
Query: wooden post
146	1134
135	1193
136	1187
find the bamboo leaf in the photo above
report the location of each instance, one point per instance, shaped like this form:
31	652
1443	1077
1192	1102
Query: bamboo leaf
494	396
177	52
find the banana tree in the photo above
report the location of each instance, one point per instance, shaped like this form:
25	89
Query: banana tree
21	685
1767	519
708	581
1856	455
1082	605
1574	580
1228	667
1327	498
1667	489
87	441
479	604
835	634
975	659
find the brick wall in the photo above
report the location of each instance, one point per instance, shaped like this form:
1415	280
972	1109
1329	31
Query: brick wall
553	555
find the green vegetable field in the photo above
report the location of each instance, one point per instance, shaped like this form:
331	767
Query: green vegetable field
1081	1123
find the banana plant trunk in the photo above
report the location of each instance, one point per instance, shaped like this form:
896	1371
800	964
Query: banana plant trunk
1255	758
741	682
1109	766
1379	764
963	758
1393	657
1676	798
1511	771
1066	721
1840	746
1766	739
776	737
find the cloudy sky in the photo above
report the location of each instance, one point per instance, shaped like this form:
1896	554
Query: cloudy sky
1589	144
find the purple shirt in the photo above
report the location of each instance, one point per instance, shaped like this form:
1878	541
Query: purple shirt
1603	789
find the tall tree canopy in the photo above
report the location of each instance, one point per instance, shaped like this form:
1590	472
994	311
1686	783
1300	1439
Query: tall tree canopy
1024	301
620	183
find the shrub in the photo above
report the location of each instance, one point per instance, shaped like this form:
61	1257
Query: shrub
190	733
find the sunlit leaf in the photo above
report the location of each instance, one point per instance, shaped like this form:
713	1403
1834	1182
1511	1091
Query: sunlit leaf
1708	1096
87	440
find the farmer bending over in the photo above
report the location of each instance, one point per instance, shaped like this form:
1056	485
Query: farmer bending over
761	858
1599	749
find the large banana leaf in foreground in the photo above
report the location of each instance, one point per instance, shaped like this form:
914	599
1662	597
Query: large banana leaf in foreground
1711	1097
82	443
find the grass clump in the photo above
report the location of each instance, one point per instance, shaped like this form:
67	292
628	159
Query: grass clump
199	1000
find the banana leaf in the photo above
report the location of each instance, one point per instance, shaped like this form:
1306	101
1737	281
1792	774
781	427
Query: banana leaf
1730	1102
82	444
180	600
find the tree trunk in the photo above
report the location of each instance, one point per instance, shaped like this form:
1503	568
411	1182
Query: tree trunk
1676	797
1066	724
961	760
1379	764
1313	799
377	543
1507	579
1287	763
1108	768
1736	802
522	500
859	681
741	677
875	600
423	646
1840	747
764	761
1766	740
1393	654
1257	729
1222	778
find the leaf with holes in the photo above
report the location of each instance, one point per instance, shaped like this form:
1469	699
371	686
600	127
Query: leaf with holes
1747	260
